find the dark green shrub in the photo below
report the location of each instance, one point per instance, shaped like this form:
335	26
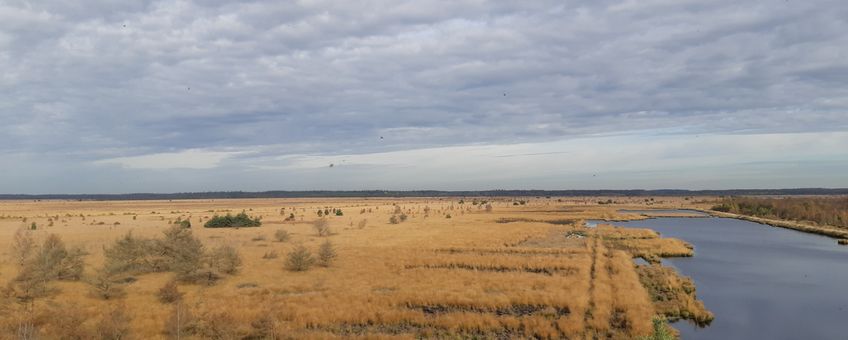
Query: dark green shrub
242	220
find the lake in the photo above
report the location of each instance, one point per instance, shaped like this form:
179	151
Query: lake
761	282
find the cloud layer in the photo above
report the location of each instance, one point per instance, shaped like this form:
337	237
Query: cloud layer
110	88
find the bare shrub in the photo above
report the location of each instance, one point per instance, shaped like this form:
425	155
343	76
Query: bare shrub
103	286
299	259
362	224
281	235
257	238
23	246
394	219
134	255
225	259
270	255
169	293
51	262
322	227
488	208
326	254
402	217
114	324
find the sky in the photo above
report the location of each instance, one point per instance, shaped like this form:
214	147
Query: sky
105	96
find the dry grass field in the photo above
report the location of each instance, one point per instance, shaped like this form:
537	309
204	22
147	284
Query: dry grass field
449	269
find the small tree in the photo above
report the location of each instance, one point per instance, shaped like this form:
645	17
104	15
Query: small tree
23	246
322	227
169	293
300	259
183	251
281	235
326	254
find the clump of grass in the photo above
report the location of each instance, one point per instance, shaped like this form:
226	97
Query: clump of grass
281	235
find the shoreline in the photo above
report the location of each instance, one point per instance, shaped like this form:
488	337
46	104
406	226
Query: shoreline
833	232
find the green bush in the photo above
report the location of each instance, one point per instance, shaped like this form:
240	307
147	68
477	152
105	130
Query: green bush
242	220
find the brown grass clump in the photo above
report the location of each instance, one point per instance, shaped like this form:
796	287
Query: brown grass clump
281	235
673	295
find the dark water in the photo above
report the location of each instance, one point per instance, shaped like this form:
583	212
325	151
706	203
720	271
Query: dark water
761	282
663	211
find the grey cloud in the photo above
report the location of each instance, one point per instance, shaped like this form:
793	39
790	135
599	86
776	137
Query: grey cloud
90	80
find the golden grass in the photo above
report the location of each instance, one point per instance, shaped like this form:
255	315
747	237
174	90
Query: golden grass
540	274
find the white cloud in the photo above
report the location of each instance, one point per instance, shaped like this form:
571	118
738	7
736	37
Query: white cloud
187	159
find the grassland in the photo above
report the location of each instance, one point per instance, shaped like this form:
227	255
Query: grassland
499	269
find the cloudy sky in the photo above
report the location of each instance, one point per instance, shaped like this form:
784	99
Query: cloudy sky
106	96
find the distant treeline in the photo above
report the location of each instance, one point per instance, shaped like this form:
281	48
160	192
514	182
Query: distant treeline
426	193
821	210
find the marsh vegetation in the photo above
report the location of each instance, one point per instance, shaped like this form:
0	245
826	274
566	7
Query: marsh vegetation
494	269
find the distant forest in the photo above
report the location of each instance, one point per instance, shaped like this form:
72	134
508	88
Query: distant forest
821	210
426	193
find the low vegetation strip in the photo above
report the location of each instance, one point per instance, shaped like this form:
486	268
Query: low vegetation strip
514	310
821	230
514	251
822	211
495	268
562	221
